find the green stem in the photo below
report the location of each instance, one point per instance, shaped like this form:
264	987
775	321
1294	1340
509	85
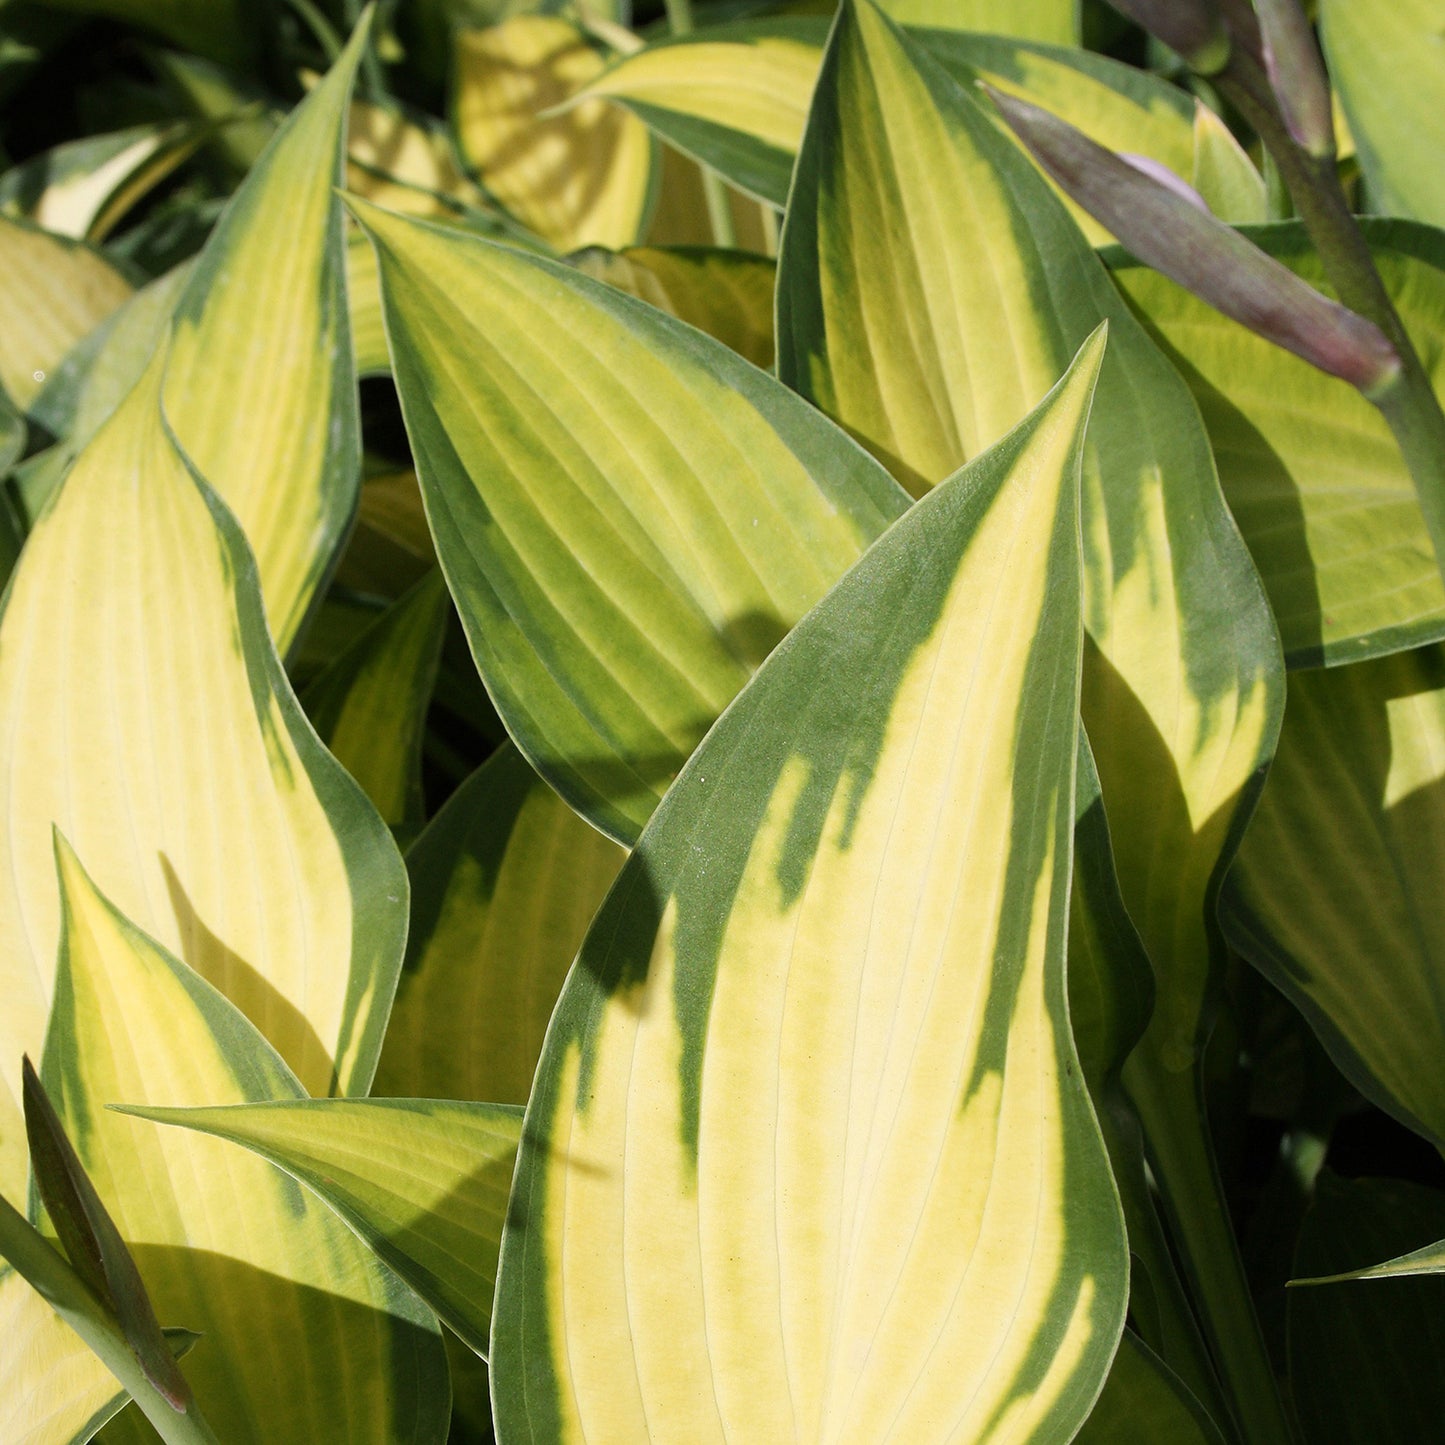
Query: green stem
1171	1110
1408	403
1171	1330
715	193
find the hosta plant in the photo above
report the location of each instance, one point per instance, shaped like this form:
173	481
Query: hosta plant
722	725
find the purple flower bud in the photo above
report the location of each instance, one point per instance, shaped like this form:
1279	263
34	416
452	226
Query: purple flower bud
1297	75
1187	244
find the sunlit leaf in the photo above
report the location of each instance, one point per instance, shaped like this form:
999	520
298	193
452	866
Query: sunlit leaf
821	1021
260	387
270	1277
1312	474
423	1181
505	881
83	188
149	718
628	514
579	178
1335	891
1388	63
728	294
1052	20
53	292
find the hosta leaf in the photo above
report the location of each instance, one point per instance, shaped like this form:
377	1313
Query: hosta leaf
628	514
260	387
1335	892
1053	20
363	294
505	880
815	1051
83	188
1364	1358
737	97
1312	474
93	379
1117	106
369	707
580	178
1387	60
1430	1259
93	1245
401	164
65	1358
1144	1403
271	1278
930	287
732	97
12	433
53	292
149	718
728	294
423	1181
932	344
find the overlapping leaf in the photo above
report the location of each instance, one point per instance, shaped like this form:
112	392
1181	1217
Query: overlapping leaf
270	1277
260	387
369	707
628	514
1051	20
53	292
148	716
928	335
505	881
1335	893
1312	474
423	1181
728	294
1387	60
579	178
815	1053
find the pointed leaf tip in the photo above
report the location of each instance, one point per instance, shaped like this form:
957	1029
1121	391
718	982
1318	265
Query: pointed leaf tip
1202	254
93	1244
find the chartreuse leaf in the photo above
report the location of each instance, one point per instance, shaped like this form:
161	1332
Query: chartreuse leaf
67	1367
815	1051
211	813
929	347
932	346
1386	58
629	515
260	387
93	1245
1052	20
728	294
397	162
93	379
53	292
1335	894
369	706
271	1278
423	1181
580	178
737	98
1312	474
363	294
1119	107
505	880
1365	1358
733	97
